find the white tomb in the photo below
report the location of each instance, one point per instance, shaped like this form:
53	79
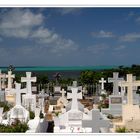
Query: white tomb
18	111
2	80
71	121
29	100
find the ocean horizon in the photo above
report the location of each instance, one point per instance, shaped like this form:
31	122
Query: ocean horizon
59	68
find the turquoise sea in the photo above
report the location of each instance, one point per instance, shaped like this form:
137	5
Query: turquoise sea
74	68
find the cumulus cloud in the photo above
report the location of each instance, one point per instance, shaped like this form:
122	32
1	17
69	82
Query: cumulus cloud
19	23
25	24
102	34
65	11
130	37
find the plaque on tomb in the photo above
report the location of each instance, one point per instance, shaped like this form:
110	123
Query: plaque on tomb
57	89
75	116
116	100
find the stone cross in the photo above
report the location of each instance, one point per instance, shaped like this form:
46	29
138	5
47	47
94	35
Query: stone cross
63	93
74	96
2	79
28	79
115	81
10	77
18	92
130	83
102	81
96	122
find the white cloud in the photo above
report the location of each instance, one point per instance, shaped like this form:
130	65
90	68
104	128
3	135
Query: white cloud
65	11
19	23
102	34
119	48
131	37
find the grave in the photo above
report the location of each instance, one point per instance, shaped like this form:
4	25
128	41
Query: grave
9	92
62	101
71	119
115	80
96	122
115	100
1	114
130	112
41	101
29	100
102	81
18	111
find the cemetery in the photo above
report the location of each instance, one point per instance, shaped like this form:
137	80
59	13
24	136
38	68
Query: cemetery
105	104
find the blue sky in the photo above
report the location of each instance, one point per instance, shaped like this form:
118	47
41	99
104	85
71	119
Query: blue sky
69	36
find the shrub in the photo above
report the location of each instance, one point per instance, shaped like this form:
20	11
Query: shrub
16	127
121	130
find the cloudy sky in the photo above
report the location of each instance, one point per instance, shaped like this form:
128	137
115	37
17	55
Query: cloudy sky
69	36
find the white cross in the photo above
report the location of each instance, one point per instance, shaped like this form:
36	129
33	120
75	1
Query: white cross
102	81
10	77
115	81
63	93
74	96
28	79
130	83
18	92
2	80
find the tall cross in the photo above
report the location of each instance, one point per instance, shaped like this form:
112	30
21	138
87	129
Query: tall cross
115	81
102	81
74	96
63	93
18	92
130	83
10	77
2	79
28	79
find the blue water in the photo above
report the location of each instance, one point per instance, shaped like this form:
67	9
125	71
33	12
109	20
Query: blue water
74	68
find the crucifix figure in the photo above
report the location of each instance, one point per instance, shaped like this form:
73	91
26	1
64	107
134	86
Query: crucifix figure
10	77
74	96
102	81
28	79
130	83
115	81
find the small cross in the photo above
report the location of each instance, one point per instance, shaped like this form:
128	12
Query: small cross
102	81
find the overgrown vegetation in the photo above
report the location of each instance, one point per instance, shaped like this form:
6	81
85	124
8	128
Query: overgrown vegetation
32	115
5	105
121	130
16	127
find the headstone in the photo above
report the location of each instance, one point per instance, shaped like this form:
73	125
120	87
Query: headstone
10	77
37	113
41	102
28	79
97	122
62	101
74	84
74	96
1	113
2	80
29	100
2	96
102	81
130	84
115	80
18	111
